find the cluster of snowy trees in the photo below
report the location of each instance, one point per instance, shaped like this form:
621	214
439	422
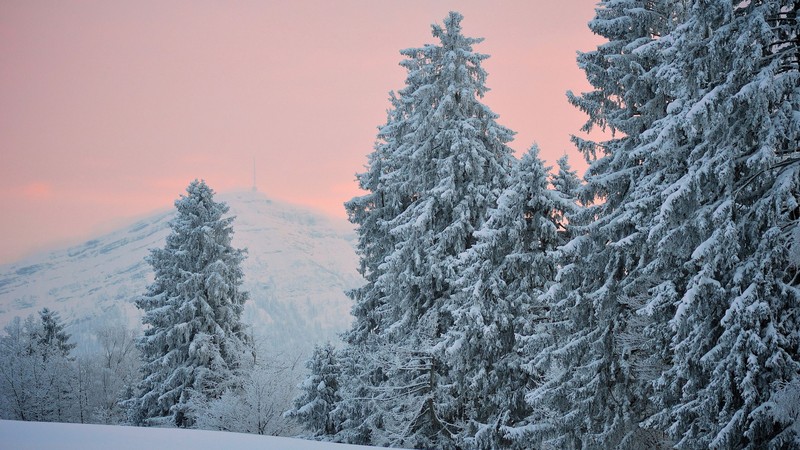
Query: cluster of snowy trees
41	379
654	304
195	365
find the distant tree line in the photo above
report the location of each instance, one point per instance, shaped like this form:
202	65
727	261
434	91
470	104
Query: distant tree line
42	380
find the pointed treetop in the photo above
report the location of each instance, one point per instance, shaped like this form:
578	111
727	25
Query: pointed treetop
452	26
199	202
453	22
530	157
198	188
452	61
452	30
53	334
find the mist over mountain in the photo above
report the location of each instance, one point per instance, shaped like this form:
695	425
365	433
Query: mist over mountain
299	265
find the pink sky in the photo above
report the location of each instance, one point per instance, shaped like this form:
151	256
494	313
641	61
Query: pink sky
109	109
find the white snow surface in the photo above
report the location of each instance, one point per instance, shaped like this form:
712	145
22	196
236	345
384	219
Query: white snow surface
69	436
299	264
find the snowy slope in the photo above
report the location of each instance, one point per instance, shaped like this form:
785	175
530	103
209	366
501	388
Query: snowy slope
70	436
298	267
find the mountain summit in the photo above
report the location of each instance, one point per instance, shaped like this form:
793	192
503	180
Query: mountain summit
299	264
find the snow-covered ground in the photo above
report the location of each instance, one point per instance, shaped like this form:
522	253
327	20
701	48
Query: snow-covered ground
69	436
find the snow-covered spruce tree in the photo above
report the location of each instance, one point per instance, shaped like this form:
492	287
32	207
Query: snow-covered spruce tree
696	297
540	331
592	394
319	393
440	163
52	339
726	222
497	316
567	183
194	341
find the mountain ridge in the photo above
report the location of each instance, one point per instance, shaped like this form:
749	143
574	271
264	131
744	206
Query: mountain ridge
299	265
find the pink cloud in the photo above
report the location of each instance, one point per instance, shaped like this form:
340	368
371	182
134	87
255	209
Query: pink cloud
37	191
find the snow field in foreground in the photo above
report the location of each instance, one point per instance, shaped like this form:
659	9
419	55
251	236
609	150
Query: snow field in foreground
70	436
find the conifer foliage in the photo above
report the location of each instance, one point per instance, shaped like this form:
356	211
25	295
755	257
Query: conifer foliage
52	339
320	392
497	315
665	311
440	164
593	395
679	286
194	341
735	122
655	304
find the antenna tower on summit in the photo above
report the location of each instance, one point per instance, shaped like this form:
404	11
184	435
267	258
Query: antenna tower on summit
254	175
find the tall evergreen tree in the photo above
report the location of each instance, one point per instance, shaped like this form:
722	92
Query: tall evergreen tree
677	285
593	395
440	163
497	316
733	308
195	341
319	392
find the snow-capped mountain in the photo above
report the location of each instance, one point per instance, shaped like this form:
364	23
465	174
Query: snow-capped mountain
299	265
